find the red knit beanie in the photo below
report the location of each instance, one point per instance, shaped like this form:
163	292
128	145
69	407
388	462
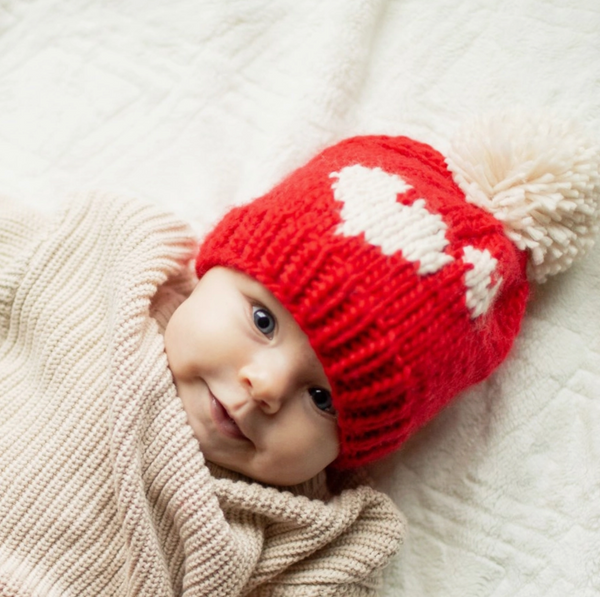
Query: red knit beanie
410	278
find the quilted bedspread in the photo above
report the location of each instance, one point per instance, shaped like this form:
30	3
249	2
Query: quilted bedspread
201	104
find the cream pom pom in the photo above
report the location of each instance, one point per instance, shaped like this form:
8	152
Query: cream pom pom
537	175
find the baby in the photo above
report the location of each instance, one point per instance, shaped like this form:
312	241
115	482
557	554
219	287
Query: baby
162	434
259	401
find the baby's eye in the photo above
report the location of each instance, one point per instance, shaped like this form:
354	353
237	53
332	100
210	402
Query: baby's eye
322	399
263	320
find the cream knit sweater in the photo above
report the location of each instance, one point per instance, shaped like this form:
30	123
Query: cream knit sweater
103	487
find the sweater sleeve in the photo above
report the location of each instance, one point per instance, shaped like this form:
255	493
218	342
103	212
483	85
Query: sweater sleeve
313	548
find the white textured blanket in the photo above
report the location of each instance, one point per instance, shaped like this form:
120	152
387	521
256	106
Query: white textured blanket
200	104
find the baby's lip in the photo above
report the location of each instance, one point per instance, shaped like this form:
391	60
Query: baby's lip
224	422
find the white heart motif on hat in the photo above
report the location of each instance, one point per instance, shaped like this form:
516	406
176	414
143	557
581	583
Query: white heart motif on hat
371	207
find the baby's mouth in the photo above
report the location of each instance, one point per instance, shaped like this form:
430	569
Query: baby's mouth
223	421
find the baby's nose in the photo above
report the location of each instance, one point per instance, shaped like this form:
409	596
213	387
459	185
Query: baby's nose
268	383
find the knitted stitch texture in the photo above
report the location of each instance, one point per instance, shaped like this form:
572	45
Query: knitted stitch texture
103	487
408	293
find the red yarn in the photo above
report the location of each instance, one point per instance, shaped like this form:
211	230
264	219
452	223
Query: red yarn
397	345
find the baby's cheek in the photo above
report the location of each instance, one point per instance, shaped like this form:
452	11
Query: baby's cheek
314	450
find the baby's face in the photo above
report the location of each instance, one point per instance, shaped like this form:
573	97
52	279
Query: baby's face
254	391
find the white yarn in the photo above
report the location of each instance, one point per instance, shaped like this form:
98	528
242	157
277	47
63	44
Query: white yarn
481	285
537	175
370	206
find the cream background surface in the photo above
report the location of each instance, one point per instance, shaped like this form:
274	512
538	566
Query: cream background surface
198	105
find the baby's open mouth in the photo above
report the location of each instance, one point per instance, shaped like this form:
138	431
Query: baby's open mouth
224	422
